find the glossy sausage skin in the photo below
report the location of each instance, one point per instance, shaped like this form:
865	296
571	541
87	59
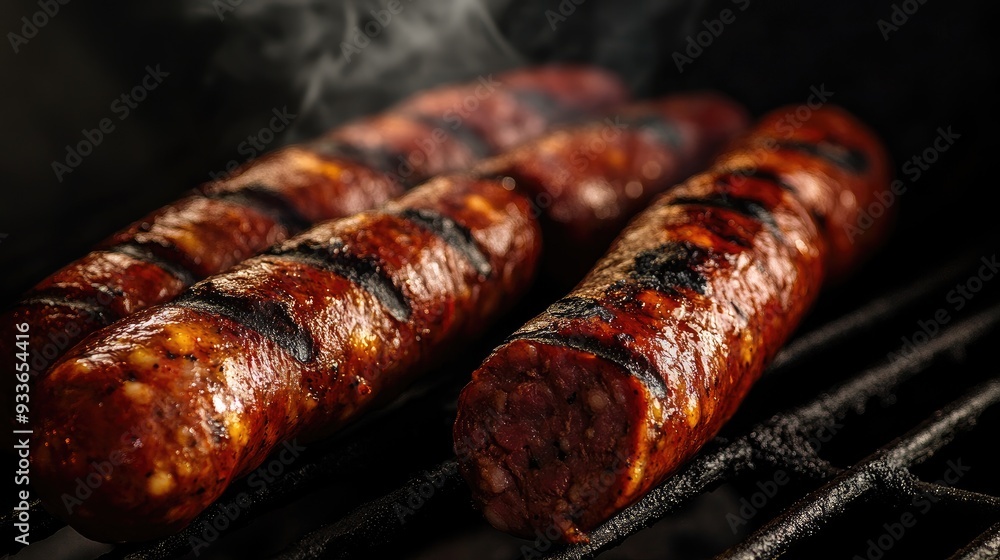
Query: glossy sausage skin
587	181
603	396
354	168
303	339
192	394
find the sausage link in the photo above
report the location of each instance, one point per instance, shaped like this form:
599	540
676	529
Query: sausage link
301	340
354	168
191	394
603	396
588	181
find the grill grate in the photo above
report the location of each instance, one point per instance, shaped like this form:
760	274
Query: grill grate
985	547
378	521
884	476
780	442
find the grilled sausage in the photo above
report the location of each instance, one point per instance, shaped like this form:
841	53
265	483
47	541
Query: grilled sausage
355	167
191	394
603	396
587	181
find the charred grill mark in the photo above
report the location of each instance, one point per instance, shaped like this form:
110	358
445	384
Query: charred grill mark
101	313
268	202
635	364
846	158
739	311
663	130
108	290
366	272
670	266
269	318
727	230
146	252
759	174
745	206
580	308
820	220
454	234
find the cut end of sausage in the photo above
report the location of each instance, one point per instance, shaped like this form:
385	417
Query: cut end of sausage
545	438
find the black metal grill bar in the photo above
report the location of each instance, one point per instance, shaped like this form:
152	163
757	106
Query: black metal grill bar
378	520
348	537
43	524
884	475
866	317
777	442
711	468
352	451
883	379
957	497
985	547
340	537
274	494
298	480
705	471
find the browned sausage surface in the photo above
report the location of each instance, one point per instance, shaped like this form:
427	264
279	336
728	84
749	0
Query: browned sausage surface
354	168
603	396
299	341
588	181
289	344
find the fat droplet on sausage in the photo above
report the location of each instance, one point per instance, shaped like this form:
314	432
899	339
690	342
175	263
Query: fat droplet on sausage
160	483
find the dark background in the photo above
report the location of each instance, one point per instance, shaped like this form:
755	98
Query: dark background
226	76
